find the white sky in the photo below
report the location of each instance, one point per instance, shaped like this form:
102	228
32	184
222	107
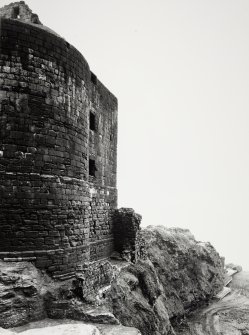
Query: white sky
180	70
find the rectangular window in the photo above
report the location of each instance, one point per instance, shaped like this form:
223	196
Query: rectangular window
92	121
92	167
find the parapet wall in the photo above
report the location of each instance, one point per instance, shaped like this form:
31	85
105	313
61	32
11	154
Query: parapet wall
58	140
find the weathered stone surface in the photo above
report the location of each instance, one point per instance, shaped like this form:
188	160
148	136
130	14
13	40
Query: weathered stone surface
27	295
137	299
22	289
75	309
228	316
118	330
48	326
189	271
179	274
92	277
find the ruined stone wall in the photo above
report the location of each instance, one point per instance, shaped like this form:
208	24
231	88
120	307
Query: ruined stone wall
92	277
19	10
128	242
55	205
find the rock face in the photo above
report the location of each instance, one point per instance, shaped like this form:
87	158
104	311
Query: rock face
179	274
228	316
27	294
22	290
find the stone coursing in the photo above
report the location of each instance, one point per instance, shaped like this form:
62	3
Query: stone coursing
55	209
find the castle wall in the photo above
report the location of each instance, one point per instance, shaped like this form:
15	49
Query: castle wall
51	210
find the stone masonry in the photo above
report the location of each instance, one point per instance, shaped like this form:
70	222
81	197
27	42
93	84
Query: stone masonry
58	149
128	242
19	10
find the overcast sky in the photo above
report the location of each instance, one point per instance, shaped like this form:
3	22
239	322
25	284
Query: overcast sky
180	70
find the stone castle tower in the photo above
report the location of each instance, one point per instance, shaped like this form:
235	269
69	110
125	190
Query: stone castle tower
58	149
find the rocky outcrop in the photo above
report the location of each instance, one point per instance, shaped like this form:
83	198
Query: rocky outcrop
151	294
228	316
179	274
27	294
22	291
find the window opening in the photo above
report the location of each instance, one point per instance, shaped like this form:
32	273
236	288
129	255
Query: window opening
92	168
92	121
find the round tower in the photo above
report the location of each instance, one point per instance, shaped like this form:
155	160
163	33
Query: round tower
58	144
